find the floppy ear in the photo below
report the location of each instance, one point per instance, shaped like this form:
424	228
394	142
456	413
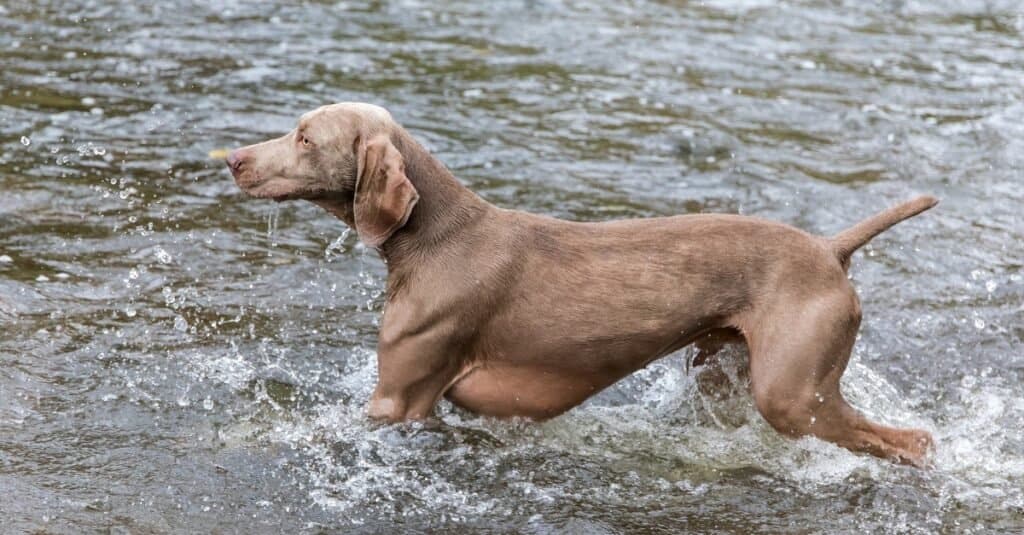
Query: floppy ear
384	196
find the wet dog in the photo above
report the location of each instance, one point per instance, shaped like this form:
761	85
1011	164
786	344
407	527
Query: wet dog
508	313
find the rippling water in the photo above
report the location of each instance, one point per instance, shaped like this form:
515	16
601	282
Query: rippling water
177	358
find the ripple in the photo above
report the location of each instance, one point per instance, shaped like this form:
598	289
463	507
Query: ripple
177	357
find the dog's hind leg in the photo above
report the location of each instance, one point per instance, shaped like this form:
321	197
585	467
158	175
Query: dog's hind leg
798	352
710	343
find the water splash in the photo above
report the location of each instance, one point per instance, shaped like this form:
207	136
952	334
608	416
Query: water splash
162	255
273	219
337	246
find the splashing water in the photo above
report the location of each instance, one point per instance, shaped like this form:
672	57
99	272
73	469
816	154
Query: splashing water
273	219
161	376
337	247
162	255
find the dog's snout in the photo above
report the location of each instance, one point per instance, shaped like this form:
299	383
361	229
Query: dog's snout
235	160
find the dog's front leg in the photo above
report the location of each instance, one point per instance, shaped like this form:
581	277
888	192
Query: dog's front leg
414	372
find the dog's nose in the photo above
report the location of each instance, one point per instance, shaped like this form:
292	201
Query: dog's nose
234	161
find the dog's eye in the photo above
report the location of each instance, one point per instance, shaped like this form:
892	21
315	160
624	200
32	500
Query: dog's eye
304	140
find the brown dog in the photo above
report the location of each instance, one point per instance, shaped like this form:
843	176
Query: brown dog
508	313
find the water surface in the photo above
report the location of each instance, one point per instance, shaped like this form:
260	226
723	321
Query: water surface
178	358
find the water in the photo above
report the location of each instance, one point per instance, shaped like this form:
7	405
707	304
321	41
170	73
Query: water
177	358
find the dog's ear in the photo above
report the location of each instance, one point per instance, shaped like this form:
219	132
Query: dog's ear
384	196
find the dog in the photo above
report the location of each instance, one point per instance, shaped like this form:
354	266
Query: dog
508	313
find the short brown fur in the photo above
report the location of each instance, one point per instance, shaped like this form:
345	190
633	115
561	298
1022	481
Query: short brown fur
508	313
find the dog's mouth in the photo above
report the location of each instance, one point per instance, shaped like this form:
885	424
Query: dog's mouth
276	189
266	188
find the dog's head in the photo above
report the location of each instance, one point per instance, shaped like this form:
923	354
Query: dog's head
339	155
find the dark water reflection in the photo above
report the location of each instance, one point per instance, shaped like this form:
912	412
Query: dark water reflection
176	358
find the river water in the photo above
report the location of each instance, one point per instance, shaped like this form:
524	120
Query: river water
177	358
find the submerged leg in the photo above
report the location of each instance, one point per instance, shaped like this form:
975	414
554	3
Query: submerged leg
712	342
713	380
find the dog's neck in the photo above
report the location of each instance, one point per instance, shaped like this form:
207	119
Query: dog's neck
445	206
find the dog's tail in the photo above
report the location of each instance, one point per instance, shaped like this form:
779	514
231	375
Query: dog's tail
853	238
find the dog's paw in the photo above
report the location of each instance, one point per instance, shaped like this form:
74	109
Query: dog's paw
918	449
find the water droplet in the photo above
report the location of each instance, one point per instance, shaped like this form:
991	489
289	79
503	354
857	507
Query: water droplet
337	246
25	140
163	256
979	323
272	220
180	324
991	286
208	404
